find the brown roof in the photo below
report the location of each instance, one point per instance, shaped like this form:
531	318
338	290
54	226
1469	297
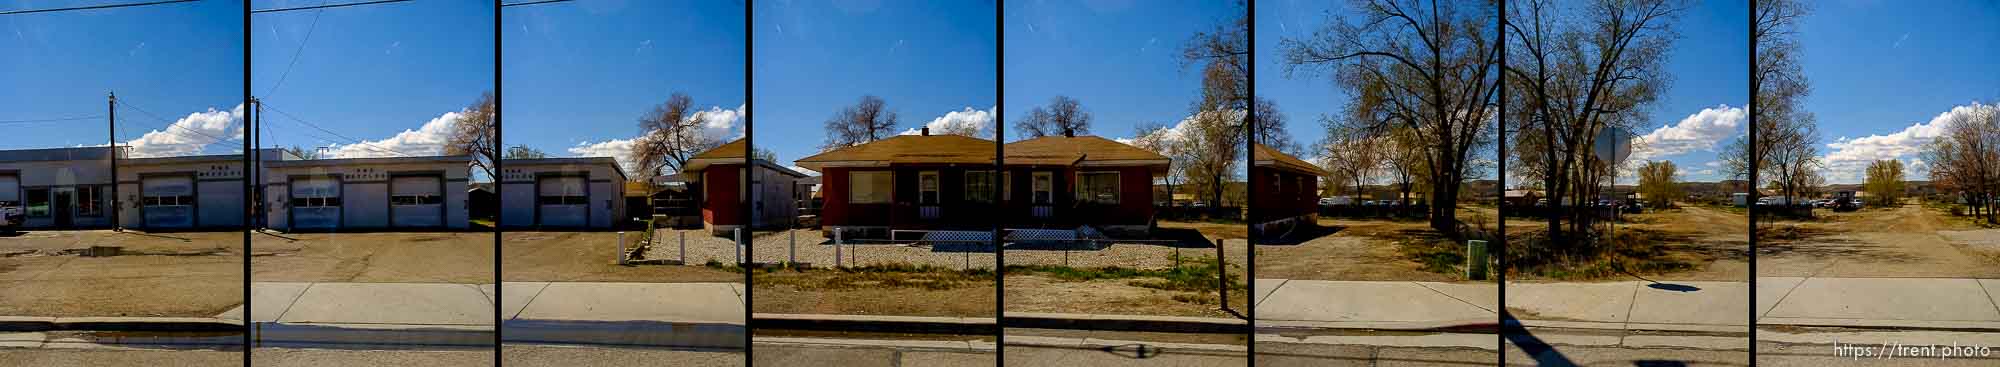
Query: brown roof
1080	150
734	149
932	149
1264	155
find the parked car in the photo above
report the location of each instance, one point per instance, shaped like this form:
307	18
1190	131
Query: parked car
1325	202
1846	205
11	217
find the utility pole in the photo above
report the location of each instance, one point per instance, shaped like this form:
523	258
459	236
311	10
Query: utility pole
256	170
111	132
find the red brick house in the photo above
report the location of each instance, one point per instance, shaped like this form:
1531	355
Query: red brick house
1071	181
946	182
906	182
1288	188
718	174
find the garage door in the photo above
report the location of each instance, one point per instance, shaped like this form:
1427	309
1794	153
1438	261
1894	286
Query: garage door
563	202
10	190
416	201
167	202
315	203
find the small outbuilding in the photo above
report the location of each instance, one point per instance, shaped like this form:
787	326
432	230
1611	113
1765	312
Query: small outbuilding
719	173
367	193
1288	191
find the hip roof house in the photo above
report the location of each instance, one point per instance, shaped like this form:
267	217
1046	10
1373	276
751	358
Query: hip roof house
949	182
1288	188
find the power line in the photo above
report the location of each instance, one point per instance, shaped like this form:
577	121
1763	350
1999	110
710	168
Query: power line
94	7
325	6
171	124
30	121
296	52
316	127
537	2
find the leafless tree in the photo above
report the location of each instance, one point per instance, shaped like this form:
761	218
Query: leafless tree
473	135
1963	159
1063	114
670	135
1223	56
1158	138
522	151
1574	72
1351	153
1787	135
866	121
1428	65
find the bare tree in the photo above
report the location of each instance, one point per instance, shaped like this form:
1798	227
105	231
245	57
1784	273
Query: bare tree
1062	115
1404	155
1223	55
303	153
1428	65
1270	127
866	121
1158	138
1351	153
1579	71
670	135
473	135
1963	158
524	152
1787	135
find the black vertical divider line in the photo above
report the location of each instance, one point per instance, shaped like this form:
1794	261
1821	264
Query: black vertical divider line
1250	182
1751	200
249	323
749	160
1500	156
999	173
498	124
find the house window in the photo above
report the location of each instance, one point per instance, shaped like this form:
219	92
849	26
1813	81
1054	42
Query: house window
315	202
90	201
1044	188
979	186
38	202
168	200
927	188
1097	187
869	187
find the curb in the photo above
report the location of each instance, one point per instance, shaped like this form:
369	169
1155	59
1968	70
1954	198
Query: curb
152	324
1458	326
630	333
318	334
1168	324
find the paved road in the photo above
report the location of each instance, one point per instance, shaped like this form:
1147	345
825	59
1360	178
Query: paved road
116	357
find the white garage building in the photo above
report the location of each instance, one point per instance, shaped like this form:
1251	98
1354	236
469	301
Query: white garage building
367	193
562	193
70	188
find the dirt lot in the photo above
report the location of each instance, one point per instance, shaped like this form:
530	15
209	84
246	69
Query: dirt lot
589	257
373	257
193	274
1905	241
1363	249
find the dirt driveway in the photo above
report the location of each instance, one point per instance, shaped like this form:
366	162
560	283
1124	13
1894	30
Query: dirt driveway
373	257
1905	241
589	257
188	274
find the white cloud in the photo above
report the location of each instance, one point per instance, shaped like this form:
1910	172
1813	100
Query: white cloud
426	140
1849	158
717	123
189	135
1697	132
967	122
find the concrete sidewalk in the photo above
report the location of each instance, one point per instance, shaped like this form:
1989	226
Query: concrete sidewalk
700	315
1721	307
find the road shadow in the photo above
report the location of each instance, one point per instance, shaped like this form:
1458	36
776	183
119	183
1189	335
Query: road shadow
1543	353
1299	235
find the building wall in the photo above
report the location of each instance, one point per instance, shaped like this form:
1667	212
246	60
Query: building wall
838	212
520	193
774	206
1283	195
721	196
365	191
63	175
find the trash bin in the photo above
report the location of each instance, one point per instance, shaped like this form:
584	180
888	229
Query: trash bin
1475	260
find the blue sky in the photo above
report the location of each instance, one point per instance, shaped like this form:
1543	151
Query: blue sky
927	60
1883	71
391	75
174	61
1119	59
579	75
1708	64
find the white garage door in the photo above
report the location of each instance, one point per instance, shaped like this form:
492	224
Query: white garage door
563	202
315	203
416	201
10	190
167	202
